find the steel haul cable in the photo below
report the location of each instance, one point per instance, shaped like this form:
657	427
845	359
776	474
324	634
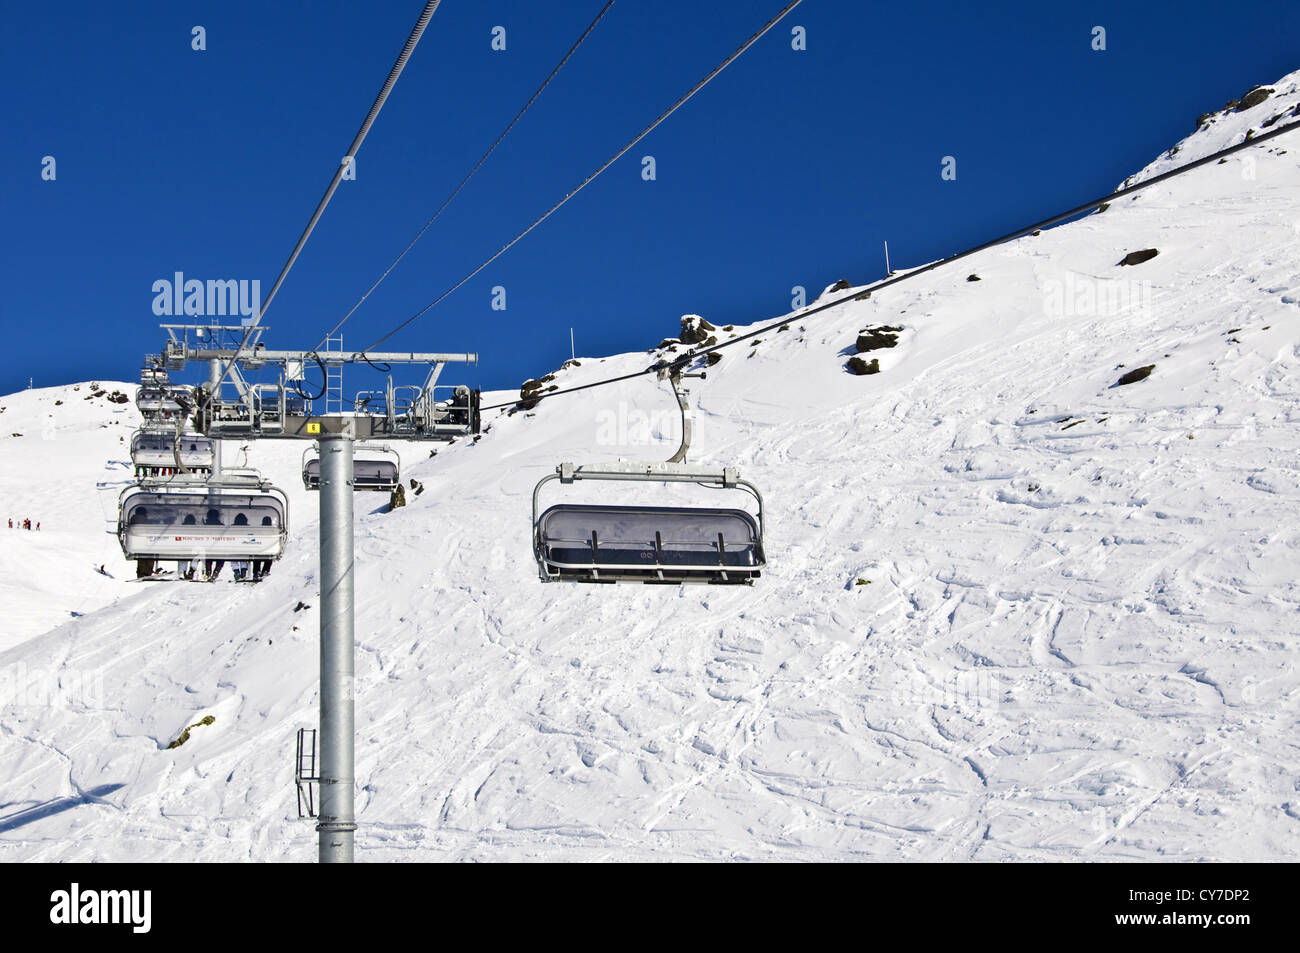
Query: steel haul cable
416	32
469	175
591	178
888	282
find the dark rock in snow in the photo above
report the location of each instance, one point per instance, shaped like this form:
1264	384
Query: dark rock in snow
1254	97
872	339
1135	375
528	392
694	329
1137	257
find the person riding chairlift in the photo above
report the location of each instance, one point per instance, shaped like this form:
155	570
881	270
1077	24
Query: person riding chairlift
262	567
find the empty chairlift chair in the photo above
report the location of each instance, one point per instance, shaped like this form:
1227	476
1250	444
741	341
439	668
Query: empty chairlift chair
649	544
373	468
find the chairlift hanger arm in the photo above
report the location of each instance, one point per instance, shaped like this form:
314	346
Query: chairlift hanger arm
675	375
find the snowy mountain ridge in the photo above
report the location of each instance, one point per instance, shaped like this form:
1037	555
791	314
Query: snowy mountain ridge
1013	610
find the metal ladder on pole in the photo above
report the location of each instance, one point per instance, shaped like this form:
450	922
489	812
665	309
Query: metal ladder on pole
306	774
333	375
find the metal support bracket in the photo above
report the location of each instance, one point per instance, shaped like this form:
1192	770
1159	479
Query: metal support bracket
674	374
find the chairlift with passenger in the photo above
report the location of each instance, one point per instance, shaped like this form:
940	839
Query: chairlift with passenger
154	451
152	374
239	516
153	400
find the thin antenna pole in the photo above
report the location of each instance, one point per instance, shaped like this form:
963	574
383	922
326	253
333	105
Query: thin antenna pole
572	355
887	271
337	825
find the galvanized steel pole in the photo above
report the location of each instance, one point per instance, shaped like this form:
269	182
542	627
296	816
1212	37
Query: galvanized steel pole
214	381
337	819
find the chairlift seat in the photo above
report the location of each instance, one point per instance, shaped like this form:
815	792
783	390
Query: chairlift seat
212	523
155	448
649	544
376	473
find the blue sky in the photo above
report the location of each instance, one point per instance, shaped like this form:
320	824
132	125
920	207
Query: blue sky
790	169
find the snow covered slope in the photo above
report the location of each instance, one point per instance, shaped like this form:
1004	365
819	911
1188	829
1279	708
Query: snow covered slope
64	456
1013	611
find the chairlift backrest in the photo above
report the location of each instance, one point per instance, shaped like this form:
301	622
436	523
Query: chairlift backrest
649	544
157	448
373	468
216	522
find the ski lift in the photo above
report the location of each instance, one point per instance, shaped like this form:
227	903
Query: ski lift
457	414
154	399
650	544
153	451
153	374
237	517
374	467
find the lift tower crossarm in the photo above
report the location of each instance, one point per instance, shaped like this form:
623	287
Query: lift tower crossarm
346	357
